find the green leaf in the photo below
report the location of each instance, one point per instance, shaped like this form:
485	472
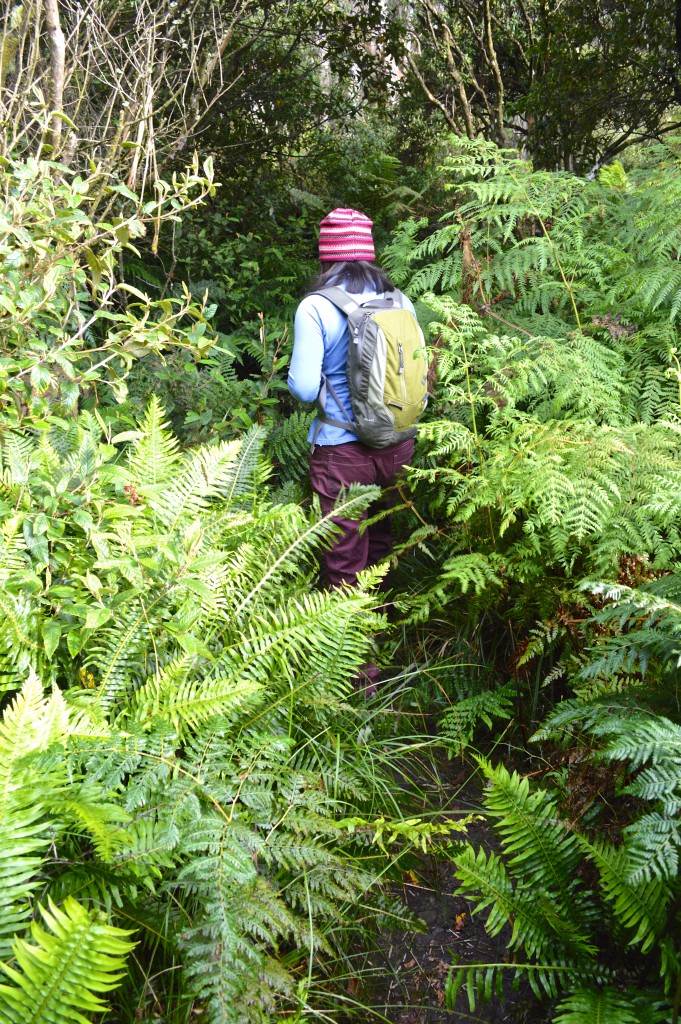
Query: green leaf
73	642
41	378
123	190
596	1006
96	267
144	298
97	617
59	976
200	588
51	635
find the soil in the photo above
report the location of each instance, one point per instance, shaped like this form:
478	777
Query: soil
411	969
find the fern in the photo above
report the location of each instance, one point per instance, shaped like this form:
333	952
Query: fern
192	769
28	726
532	885
60	976
639	908
607	1006
538	925
184	701
538	466
155	455
652	846
288	447
474	703
548	461
531	831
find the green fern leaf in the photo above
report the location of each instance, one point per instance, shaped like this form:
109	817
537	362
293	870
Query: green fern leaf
539	925
640	908
28	727
544	852
598	1006
154	456
58	978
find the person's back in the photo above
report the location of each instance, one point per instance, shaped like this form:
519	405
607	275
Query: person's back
320	349
319	322
321	338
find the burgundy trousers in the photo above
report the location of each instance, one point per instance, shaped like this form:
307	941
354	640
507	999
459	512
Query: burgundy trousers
334	467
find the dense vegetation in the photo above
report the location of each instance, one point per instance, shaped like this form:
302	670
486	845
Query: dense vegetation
552	477
200	818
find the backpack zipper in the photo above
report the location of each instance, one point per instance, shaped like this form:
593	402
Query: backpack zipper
403	386
359	327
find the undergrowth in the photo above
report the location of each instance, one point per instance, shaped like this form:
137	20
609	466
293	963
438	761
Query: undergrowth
549	464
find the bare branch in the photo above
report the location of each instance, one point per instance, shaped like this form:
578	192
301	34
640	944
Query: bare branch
492	54
57	70
431	96
457	77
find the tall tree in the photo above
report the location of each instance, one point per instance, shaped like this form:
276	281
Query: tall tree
575	82
136	85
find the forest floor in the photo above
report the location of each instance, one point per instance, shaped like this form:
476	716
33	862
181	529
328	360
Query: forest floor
415	966
411	968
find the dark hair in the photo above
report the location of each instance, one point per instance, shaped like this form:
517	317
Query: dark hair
353	275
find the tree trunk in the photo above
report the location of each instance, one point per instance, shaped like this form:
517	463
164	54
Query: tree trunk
57	71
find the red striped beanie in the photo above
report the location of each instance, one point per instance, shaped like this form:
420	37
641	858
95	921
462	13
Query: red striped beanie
345	235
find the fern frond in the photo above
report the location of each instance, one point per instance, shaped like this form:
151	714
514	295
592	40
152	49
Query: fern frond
538	925
29	727
155	454
544	852
186	699
116	653
204	474
458	724
652	846
289	448
88	808
19	631
640	908
246	475
473	570
657	740
607	1006
59	978
298	538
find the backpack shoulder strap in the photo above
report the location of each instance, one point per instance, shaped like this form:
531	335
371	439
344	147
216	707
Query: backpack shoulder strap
346	424
395	298
339	298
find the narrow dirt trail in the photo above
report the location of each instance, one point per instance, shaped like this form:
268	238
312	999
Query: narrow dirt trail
411	968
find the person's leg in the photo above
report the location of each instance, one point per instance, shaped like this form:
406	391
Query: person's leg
389	464
332	468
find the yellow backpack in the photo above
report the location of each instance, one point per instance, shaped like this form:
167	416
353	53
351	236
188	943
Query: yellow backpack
387	369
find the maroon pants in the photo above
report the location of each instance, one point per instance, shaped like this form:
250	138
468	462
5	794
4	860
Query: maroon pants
334	467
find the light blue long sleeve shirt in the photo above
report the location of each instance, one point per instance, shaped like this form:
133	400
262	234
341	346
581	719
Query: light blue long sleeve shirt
320	346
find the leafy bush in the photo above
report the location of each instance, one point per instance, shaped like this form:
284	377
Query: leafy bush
550	450
569	933
204	729
600	865
71	327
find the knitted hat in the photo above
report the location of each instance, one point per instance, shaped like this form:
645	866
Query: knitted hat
345	235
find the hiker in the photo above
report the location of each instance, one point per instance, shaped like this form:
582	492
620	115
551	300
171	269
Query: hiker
319	372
